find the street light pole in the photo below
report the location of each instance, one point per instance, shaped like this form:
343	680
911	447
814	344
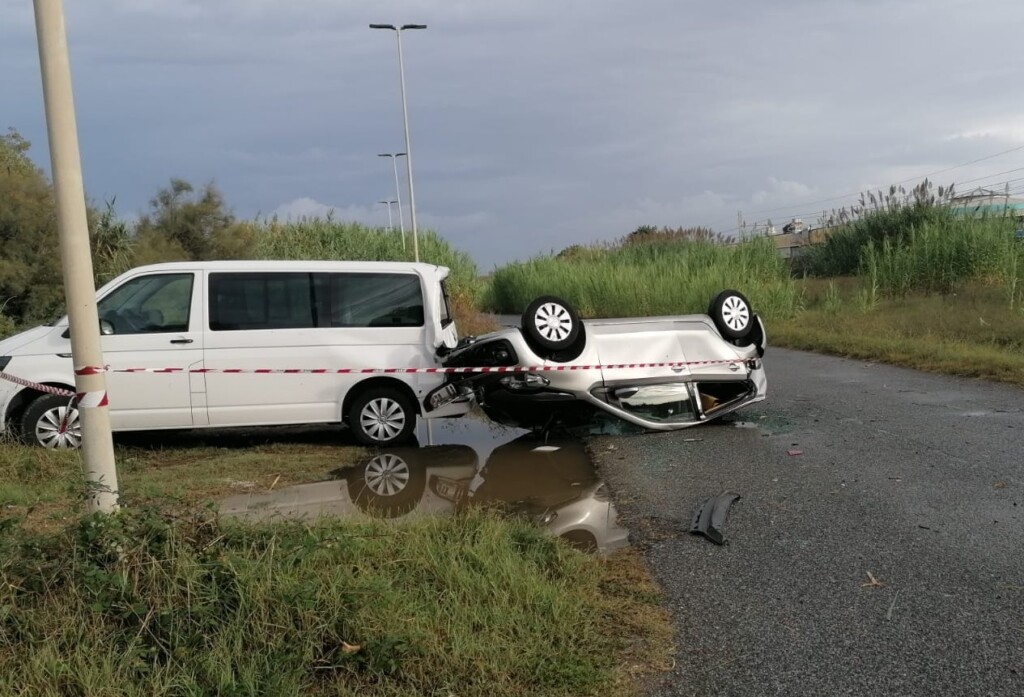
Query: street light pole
76	259
391	225
398	190
405	119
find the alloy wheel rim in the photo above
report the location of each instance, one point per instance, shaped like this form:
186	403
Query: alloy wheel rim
386	474
382	419
59	428
735	313
553	322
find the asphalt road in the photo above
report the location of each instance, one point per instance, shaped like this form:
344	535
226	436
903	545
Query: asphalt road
914	478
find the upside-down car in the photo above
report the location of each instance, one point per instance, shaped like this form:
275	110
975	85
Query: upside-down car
658	373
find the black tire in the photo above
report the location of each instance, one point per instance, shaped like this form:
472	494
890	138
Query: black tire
382	416
388	486
550	326
50	422
731	313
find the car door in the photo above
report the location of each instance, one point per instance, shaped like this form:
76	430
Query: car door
155	320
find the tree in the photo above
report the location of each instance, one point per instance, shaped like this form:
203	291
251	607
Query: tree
186	219
29	252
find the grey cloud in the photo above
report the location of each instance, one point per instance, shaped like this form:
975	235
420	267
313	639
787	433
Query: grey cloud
535	125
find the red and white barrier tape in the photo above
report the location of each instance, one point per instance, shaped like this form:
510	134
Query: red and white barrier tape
92	370
99	398
60	392
84	400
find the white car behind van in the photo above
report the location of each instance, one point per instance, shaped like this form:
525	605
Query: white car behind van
200	330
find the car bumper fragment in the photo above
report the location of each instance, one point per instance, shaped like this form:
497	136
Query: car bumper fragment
710	518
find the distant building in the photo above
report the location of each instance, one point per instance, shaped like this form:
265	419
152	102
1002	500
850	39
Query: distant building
987	202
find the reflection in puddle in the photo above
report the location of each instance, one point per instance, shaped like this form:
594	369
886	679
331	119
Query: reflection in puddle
465	462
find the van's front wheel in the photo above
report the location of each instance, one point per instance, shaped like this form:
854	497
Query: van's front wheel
52	422
382	416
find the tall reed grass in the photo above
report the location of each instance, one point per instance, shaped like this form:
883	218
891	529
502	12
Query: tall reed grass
327	239
941	255
654	278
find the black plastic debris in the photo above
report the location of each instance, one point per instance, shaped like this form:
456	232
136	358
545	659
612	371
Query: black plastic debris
710	517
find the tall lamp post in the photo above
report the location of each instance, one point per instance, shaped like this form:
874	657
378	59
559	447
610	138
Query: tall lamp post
398	192
391	225
405	118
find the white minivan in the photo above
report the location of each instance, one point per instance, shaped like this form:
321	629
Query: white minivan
207	319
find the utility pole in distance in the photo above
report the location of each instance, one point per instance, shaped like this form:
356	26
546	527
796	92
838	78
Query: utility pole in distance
76	258
398	29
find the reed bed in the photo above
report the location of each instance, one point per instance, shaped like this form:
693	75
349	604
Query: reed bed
939	257
327	239
664	277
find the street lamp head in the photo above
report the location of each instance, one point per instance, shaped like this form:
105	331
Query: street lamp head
413	26
383	26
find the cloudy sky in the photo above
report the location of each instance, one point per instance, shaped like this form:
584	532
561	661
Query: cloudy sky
535	123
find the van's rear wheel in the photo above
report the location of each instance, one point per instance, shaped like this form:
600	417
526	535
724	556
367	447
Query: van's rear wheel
52	422
382	416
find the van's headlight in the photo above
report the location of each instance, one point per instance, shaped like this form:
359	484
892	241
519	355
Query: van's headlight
524	381
4	360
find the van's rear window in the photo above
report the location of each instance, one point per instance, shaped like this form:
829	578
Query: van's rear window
290	300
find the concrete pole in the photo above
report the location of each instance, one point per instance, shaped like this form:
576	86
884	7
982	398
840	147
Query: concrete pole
408	149
76	257
398	196
388	204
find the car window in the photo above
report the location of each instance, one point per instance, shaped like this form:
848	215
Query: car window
149	304
668	402
375	300
247	301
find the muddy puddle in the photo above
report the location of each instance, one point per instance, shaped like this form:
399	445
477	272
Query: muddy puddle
459	463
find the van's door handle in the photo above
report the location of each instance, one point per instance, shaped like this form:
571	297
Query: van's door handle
181	341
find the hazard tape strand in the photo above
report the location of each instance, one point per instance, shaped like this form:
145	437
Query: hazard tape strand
89	370
99	398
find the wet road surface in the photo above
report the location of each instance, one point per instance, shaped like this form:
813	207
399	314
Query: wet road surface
878	547
460	463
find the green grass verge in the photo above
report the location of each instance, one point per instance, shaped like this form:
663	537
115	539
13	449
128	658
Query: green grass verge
971	333
165	599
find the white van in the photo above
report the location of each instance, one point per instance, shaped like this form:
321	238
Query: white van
220	316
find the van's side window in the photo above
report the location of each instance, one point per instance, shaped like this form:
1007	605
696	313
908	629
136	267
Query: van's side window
375	300
149	304
240	301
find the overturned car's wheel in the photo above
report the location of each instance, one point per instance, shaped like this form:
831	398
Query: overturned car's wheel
731	313
382	416
52	422
552	328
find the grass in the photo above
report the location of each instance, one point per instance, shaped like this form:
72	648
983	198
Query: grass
664	277
43	486
972	332
328	239
165	599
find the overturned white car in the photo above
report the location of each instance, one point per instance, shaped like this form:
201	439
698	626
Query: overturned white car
658	373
